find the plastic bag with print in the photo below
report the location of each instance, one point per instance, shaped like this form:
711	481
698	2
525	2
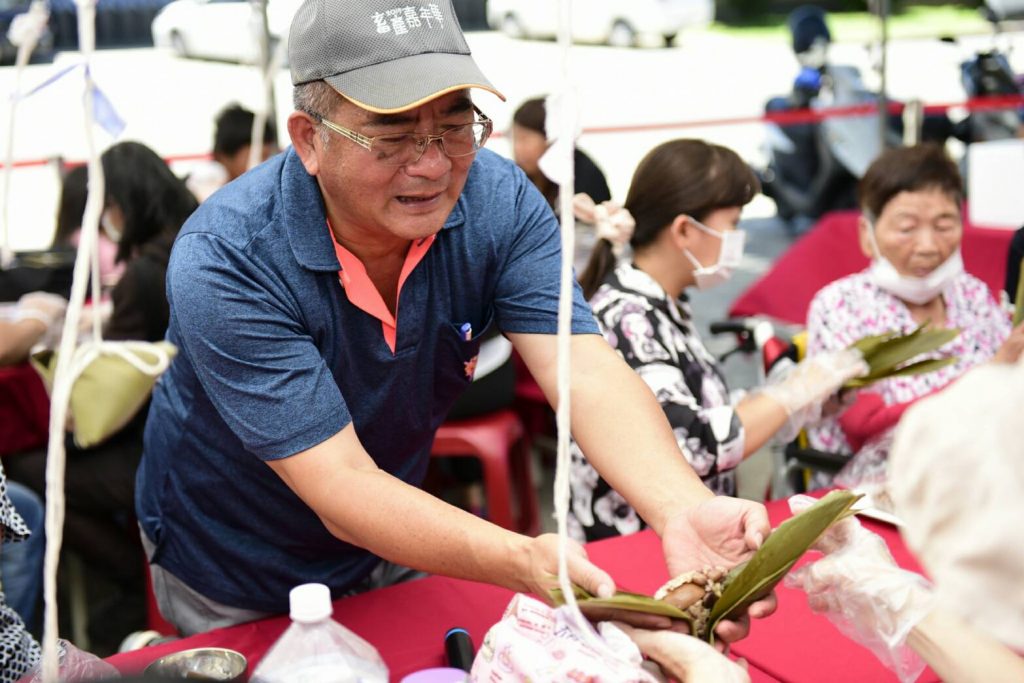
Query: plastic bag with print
542	644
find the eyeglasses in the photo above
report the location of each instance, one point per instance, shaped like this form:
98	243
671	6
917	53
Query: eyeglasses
401	149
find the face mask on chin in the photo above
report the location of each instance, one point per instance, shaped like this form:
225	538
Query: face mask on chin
729	257
916	290
108	228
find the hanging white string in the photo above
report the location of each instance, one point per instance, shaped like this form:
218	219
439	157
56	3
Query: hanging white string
563	115
25	32
269	68
62	381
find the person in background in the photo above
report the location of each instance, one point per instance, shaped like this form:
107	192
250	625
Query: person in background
957	479
911	228
70	210
145	207
530	142
685	200
232	140
21	560
19	651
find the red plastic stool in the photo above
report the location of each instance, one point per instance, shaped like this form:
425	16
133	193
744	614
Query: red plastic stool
501	445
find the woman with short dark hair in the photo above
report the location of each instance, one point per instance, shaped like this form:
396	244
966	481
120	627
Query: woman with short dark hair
911	228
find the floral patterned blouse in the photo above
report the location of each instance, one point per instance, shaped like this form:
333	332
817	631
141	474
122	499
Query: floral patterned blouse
854	307
655	335
19	651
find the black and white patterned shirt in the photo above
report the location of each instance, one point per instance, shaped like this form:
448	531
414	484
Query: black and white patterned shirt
19	651
655	335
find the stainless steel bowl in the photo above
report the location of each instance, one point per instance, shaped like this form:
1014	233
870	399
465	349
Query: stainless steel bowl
204	663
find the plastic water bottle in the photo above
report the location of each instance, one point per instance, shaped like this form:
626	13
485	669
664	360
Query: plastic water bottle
317	649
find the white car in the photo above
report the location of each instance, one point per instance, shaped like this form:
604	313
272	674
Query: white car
622	23
220	29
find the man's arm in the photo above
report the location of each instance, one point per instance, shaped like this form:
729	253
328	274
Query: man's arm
619	424
363	505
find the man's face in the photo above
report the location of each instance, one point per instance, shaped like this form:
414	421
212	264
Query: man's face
376	203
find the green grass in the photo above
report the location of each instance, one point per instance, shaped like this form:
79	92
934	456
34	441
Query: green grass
919	21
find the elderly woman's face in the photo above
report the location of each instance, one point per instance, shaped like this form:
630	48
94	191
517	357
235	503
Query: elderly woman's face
916	232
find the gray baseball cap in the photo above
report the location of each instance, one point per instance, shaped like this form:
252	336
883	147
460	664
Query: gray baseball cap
385	56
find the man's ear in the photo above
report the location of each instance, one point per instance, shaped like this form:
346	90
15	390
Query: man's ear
864	229
302	130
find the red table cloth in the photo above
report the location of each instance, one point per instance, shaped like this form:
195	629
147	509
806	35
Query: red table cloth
407	622
24	409
830	250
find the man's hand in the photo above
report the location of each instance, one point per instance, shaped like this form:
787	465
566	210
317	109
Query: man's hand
720	532
541	571
686	658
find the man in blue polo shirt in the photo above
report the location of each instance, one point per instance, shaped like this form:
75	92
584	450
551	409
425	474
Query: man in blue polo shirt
328	307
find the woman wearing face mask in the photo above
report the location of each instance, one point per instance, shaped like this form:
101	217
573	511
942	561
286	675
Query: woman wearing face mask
685	201
145	207
911	230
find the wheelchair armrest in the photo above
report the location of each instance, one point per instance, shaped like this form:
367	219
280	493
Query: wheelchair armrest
812	458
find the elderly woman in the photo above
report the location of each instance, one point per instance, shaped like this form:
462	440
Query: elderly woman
911	230
685	200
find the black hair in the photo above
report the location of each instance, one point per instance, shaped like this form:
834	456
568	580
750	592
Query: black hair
234	130
679	177
154	201
73	191
908	169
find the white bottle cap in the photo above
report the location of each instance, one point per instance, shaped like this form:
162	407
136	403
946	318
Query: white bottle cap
310	602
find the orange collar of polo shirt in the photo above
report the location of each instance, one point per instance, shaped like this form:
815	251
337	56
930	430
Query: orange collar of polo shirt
361	291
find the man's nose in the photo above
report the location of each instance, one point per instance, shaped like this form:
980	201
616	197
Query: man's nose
433	163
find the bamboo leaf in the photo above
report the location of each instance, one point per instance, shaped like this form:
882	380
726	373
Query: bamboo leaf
777	555
886	354
918	368
623	600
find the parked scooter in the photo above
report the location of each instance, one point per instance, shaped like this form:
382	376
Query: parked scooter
813	167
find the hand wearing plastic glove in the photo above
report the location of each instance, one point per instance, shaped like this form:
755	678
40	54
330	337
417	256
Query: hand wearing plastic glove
858	586
46	308
685	658
807	386
42	306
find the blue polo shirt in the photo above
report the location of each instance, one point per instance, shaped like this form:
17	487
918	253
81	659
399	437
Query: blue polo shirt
274	359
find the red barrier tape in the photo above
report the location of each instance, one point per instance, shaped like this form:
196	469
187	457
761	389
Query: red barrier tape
782	118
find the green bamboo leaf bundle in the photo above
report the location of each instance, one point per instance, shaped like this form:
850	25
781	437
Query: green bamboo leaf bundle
746	583
887	355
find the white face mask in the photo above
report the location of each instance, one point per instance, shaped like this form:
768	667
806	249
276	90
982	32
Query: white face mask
916	290
109	229
730	254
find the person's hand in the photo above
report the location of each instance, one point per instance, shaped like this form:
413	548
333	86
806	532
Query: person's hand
541	576
686	658
42	306
805	389
859	587
1011	349
719	532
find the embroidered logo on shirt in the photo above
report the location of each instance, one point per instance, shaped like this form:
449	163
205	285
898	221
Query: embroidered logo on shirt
470	367
401	20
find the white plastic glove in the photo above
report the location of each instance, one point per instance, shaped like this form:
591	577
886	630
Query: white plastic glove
803	388
858	586
47	308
